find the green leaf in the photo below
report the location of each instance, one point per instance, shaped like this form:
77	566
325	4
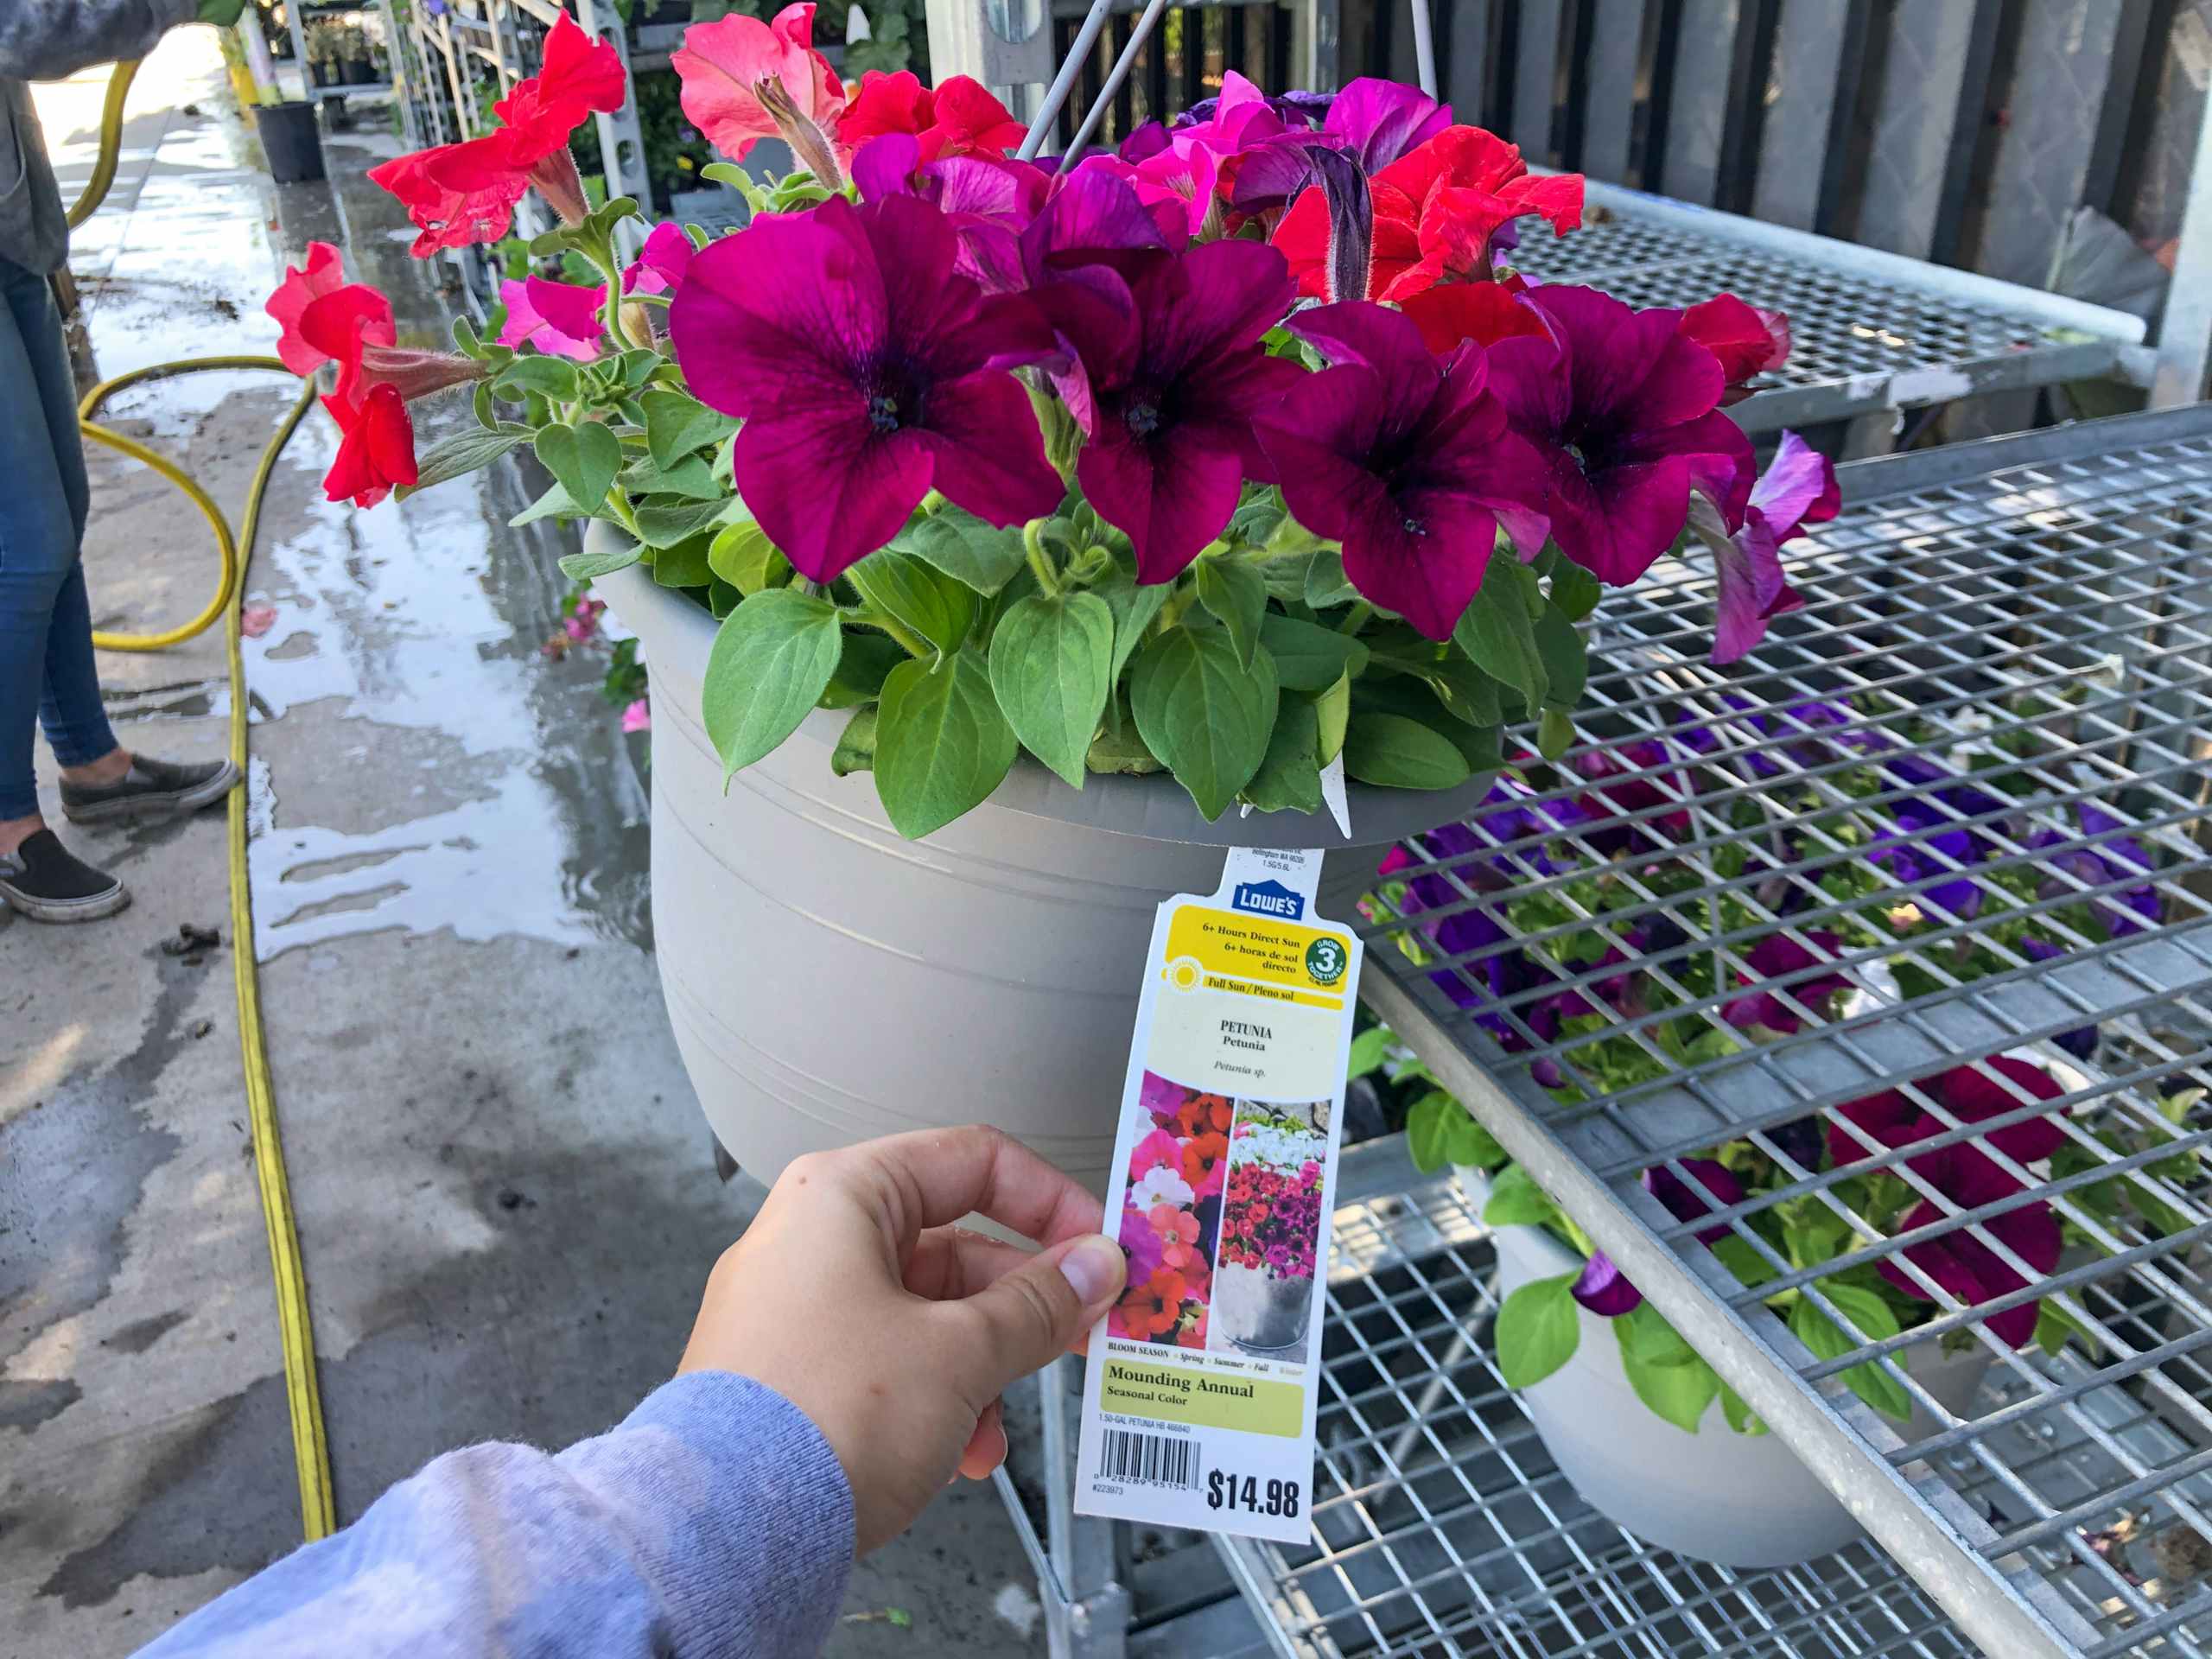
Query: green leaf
1134	607
1559	646
742	556
1051	667
1751	1269
1666	1374
1233	591
2054	1327
1554	735
1119	749
678	424
1326	586
1428	1128
1367	1049
683	564
772	657
1498	635
1468	694
464	452
1741	1417
1515	1200
941	744
664	524
1474	1146
918	596
585	458
867	662
965	549
1289	778
1309	657
1401	754
548	377
856	750
691	476
1333	708
554	503
588	566
1200	710
1539	1328
1575	590
1873	1315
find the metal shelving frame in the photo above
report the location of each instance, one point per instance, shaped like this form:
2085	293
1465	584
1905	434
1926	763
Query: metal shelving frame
2044	602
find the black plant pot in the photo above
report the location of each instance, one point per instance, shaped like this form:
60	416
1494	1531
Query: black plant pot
291	141
323	74
359	72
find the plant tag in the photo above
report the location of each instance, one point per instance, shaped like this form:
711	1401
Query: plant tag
1198	1399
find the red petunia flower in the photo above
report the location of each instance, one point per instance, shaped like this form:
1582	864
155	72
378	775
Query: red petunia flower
1150	1311
961	118
457	194
744	81
1436	210
1747	340
378	450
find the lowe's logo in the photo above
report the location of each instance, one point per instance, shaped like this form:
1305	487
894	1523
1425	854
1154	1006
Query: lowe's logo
1269	898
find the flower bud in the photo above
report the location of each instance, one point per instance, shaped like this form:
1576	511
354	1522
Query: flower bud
417	374
808	142
556	180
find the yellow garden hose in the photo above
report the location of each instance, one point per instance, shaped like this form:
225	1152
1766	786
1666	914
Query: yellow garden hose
310	1449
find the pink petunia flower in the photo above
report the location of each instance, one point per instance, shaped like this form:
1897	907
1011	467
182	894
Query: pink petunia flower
560	319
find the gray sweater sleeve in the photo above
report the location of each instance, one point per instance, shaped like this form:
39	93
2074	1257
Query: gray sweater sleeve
45	39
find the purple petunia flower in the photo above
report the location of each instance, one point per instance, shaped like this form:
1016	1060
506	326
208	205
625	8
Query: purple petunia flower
1167	371
1774	957
1372	122
1625	409
1604	1288
1685	1204
1971	1273
1405	460
1973	1095
867	372
1798	488
2115	858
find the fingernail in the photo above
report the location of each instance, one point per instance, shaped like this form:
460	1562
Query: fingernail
1094	1268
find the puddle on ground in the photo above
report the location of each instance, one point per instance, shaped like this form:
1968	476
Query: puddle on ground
423	616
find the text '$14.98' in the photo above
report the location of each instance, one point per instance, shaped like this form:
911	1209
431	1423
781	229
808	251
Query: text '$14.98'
1226	1490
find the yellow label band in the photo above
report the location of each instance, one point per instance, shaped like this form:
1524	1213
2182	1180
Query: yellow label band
1268	953
1251	1403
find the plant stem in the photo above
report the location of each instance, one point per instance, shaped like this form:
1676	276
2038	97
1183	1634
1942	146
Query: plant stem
1033	545
912	645
1356	619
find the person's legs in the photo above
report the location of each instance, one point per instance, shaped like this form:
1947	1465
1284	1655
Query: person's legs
38	535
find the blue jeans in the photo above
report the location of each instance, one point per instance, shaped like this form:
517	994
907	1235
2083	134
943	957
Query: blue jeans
46	620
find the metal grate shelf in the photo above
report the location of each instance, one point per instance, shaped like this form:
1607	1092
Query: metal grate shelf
1935	858
1871	331
1441	1527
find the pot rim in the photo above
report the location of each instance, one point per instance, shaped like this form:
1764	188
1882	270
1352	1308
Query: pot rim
1154	806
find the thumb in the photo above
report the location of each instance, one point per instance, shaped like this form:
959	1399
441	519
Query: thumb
1030	1316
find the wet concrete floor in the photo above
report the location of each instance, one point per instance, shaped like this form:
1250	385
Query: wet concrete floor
507	1202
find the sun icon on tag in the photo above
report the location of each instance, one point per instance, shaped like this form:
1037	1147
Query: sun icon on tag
1185	973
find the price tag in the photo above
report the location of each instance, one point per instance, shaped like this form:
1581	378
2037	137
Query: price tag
1200	1390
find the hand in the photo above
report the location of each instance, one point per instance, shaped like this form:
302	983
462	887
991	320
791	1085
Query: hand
221	13
852	1297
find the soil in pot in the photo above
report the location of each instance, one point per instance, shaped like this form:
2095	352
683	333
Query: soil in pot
1741	1500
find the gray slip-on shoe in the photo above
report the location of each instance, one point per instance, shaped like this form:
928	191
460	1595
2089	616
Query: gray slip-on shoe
150	789
44	881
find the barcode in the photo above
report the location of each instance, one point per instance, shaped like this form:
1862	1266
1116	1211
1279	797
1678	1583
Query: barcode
1147	1460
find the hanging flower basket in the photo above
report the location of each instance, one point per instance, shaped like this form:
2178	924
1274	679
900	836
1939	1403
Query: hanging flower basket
1054	514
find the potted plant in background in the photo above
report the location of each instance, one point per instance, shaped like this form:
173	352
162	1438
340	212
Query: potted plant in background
1700	1475
322	38
998	535
359	65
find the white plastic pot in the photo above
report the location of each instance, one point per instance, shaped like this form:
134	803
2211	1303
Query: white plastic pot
828	981
1742	1500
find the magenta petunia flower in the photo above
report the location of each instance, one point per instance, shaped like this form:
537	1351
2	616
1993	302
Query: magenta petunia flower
1972	1273
1798	488
1403	458
866	372
1625	410
990	201
1777	956
560	319
1970	1094
1168	372
1375	121
662	263
1604	1288
1685	1203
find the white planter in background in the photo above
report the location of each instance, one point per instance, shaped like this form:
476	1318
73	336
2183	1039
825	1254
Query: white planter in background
1742	1500
830	982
